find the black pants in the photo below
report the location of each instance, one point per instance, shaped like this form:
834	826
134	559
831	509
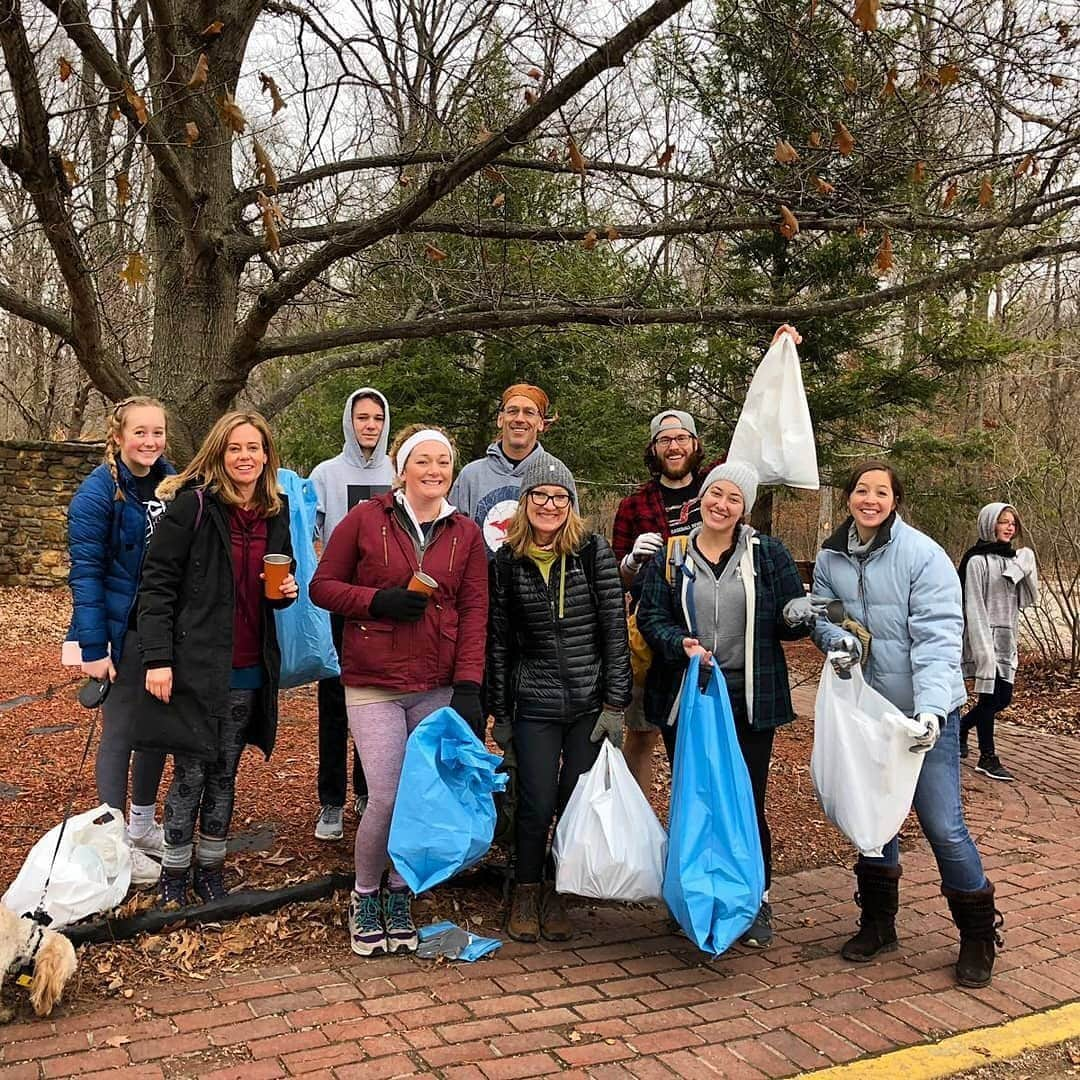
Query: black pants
982	714
756	746
544	788
334	735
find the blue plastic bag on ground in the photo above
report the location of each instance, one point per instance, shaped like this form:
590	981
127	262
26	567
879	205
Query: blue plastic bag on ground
307	649
449	940
715	875
444	813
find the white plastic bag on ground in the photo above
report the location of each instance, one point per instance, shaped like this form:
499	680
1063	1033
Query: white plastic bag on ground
92	871
862	766
774	433
609	844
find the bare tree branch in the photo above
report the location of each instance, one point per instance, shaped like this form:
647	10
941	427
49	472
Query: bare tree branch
56	322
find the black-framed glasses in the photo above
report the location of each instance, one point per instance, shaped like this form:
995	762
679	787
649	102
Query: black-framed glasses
542	498
665	441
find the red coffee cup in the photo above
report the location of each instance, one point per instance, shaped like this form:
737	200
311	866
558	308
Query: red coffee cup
275	571
423	583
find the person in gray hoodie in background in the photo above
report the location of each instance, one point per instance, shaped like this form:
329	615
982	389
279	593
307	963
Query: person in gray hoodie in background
487	489
999	580
361	471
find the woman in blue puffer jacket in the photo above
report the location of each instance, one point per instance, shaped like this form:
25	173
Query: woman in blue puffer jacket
901	586
110	520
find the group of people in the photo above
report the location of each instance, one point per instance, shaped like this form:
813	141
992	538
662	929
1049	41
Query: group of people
490	594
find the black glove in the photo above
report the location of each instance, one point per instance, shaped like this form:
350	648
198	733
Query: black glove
466	703
401	605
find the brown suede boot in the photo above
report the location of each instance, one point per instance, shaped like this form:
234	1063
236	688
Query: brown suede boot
554	921
523	923
879	899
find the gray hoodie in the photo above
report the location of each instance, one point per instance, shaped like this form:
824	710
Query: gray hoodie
997	589
350	478
487	490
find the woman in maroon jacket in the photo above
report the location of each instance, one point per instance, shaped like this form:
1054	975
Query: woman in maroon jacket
404	654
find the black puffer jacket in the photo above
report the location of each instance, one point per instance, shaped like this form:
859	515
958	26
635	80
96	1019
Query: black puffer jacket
552	667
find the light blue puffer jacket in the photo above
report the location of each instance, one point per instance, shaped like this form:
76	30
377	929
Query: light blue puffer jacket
907	594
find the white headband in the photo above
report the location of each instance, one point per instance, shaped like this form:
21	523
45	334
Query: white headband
427	435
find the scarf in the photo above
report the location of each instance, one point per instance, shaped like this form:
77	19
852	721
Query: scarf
984	547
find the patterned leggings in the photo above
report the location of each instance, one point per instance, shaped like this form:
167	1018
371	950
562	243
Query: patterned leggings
206	790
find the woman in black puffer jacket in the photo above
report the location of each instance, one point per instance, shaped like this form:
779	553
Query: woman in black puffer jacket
558	671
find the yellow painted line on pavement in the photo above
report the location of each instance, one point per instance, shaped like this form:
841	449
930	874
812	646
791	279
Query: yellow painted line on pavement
966	1051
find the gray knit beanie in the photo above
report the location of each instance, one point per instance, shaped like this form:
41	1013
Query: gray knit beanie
685	420
744	477
544	468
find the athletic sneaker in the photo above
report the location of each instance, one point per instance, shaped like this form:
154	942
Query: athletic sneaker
397	913
367	935
990	765
144	871
152	841
330	824
760	934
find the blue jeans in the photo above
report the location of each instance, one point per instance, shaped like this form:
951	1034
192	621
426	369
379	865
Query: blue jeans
937	806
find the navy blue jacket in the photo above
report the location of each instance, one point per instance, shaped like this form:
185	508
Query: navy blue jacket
106	541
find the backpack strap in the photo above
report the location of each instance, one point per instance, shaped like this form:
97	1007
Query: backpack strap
202	505
675	556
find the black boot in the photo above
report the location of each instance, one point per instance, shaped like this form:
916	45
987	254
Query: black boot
879	899
977	920
173	888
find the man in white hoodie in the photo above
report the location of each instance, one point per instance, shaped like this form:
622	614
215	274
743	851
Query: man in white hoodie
361	470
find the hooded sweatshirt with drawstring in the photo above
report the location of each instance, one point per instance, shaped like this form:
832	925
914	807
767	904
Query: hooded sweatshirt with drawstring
352	477
487	490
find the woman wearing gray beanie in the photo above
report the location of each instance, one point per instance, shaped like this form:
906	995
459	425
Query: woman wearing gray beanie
558	672
732	601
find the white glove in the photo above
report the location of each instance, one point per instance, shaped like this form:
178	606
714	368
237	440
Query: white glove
848	648
925	742
805	610
646	546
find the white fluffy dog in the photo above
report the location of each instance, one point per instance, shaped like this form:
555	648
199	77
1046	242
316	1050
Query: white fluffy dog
25	942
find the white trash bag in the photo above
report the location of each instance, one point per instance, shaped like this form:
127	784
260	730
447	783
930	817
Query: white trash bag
862	766
774	432
609	844
92	871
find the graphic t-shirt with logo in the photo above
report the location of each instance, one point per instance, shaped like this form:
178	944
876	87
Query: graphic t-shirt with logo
682	507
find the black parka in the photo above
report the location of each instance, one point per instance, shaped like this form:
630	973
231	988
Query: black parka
550	661
186	622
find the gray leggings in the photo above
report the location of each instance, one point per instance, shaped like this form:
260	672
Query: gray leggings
206	790
114	753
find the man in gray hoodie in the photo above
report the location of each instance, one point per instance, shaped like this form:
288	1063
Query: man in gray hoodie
487	489
360	471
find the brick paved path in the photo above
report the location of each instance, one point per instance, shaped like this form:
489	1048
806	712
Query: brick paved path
628	999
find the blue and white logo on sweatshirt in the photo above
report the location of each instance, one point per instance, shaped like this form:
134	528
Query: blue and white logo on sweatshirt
494	512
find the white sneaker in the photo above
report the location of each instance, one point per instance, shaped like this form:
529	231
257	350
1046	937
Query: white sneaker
152	841
144	871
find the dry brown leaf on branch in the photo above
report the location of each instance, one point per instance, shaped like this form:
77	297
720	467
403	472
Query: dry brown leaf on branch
789	223
845	141
114	113
851	84
231	113
861	230
481	137
785	153
271	218
136	270
123	188
918	172
433	253
889	89
866	15
213	29
884	259
1026	166
499	200
986	194
950	194
535	73
815	138
823	186
664	160
66	70
947	74
577	158
271	87
199	75
191	132
589	240
264	167
612	233
531	97
137	104
70	172
492	174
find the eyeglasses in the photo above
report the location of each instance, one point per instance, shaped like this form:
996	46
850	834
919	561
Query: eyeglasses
665	441
542	498
514	412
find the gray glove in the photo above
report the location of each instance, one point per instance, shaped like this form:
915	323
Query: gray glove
925	742
848	648
805	610
610	726
503	734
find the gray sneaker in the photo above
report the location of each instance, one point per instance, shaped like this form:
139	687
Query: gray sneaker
330	825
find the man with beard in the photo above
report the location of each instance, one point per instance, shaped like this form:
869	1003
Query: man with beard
666	506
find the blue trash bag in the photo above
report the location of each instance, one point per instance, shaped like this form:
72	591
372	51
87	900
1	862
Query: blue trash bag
444	813
303	630
714	875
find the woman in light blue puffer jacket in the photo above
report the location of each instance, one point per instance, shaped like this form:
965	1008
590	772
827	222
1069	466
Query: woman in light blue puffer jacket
901	586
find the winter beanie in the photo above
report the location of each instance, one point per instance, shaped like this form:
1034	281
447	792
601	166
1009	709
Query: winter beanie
744	477
544	468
